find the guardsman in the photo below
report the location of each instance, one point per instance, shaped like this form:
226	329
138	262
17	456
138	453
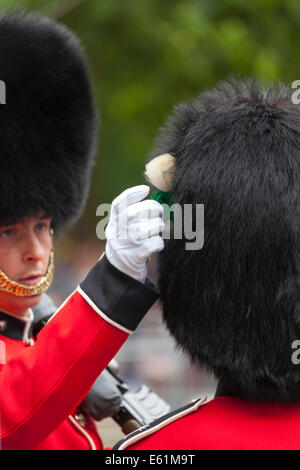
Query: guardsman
233	305
48	141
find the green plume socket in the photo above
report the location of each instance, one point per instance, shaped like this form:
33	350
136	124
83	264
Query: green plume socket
164	197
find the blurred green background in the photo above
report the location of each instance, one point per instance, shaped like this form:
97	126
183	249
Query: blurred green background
147	55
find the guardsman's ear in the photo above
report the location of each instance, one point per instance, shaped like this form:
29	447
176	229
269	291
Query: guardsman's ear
160	171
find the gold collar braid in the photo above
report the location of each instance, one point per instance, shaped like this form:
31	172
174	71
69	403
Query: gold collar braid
22	290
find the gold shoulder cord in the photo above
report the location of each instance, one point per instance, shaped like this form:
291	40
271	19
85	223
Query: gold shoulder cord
22	290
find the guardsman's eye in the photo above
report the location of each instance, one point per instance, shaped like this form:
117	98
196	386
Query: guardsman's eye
7	233
42	226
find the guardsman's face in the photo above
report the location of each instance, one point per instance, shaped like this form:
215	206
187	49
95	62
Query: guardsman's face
25	249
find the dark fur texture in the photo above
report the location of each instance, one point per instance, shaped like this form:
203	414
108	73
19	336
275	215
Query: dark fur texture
48	125
234	305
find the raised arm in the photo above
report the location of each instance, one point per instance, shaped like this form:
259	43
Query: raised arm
41	385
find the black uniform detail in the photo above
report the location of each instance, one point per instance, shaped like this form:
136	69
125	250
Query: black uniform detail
13	327
42	313
122	298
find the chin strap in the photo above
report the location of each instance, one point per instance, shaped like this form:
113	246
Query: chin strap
22	290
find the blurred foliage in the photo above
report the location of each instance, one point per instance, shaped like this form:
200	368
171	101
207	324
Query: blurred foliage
148	55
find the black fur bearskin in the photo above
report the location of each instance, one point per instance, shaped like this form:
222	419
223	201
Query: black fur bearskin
234	305
48	126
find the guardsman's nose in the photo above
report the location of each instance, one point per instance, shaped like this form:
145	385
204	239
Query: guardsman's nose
33	248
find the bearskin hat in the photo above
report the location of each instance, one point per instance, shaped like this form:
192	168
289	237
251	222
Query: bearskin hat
234	304
48	124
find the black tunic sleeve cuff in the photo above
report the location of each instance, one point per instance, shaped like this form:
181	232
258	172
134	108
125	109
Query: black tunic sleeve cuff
120	299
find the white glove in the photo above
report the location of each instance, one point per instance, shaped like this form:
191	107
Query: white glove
133	231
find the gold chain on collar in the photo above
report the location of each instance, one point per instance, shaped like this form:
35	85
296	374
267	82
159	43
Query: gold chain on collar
22	290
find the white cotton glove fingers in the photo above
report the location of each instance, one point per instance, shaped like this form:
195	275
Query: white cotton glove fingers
128	197
119	218
144	210
134	231
152	228
138	232
138	212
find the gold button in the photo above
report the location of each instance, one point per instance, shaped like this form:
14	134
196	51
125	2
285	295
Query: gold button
80	418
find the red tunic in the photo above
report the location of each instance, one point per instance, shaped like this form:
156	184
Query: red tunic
41	385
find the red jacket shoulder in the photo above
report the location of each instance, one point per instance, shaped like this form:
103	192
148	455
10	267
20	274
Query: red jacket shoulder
161	433
224	423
